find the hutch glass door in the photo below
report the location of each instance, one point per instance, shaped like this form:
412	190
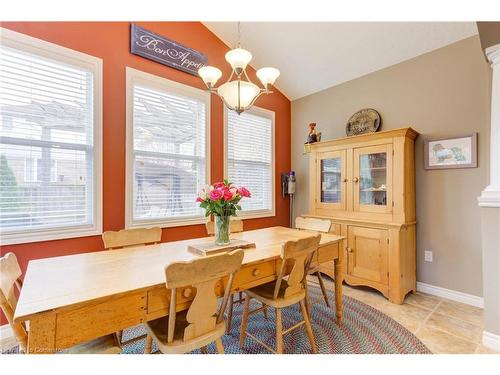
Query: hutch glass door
331	170
373	178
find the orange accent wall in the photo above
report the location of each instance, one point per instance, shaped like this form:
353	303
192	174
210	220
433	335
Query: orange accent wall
111	42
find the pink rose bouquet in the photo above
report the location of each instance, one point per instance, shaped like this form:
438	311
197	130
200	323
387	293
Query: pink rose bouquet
222	198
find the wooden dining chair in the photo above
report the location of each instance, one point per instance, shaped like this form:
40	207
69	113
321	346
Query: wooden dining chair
10	279
235	226
285	291
129	238
185	331
315	225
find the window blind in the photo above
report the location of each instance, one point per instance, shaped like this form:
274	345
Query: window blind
46	142
250	157
169	156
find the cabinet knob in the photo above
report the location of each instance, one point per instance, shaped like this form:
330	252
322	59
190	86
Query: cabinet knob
349	250
186	293
355	179
345	180
255	272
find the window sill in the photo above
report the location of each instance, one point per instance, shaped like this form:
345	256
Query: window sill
162	223
29	236
256	214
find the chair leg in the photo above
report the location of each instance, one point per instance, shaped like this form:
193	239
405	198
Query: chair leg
203	350
323	289
307	302
279	332
148	345
220	347
244	320
229	320
265	312
309	330
118	338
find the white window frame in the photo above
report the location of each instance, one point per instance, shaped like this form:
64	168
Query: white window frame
133	77
53	170
255	214
30	169
65	55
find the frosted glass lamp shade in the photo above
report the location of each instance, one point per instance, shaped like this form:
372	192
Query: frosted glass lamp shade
246	92
210	75
268	75
238	58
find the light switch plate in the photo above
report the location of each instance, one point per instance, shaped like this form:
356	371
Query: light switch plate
428	256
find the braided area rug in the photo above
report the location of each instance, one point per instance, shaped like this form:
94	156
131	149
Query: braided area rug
364	330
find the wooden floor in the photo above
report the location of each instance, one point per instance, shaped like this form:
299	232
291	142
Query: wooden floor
444	326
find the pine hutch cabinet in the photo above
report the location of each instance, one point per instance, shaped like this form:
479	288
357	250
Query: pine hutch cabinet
365	185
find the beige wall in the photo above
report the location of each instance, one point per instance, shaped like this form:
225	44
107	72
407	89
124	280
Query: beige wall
442	93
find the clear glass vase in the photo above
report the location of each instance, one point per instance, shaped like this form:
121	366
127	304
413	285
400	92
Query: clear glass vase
222	230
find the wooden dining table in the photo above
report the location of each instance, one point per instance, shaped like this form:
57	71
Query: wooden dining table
72	299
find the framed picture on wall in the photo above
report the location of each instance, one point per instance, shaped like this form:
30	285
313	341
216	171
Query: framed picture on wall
458	152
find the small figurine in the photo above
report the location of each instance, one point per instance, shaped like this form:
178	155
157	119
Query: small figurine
312	137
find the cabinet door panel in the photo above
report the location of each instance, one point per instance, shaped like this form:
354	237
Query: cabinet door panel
367	253
330	191
372	178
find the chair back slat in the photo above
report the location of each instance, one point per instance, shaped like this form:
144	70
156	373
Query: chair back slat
235	226
10	276
298	254
202	274
313	224
202	313
131	237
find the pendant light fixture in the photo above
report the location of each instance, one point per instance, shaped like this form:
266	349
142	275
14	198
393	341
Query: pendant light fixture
240	93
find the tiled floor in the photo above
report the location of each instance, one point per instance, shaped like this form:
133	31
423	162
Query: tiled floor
444	326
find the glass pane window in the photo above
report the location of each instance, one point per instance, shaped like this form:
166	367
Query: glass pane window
373	179
30	170
47	145
331	180
169	153
250	158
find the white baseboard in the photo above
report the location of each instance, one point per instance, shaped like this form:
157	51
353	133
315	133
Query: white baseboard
491	340
453	295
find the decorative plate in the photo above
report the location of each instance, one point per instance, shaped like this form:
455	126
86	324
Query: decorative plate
364	121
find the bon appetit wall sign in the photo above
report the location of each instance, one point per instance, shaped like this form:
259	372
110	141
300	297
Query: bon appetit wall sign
165	51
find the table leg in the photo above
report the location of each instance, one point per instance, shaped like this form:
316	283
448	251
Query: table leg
42	334
149	344
339	277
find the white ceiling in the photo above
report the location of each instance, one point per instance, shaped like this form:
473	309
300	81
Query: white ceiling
313	56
